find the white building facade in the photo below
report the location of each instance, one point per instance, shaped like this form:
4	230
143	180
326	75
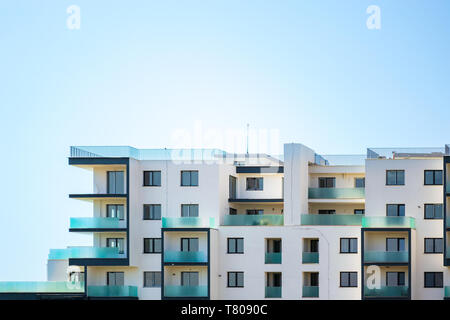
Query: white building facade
204	224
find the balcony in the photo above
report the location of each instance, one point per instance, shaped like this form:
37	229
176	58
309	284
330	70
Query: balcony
331	219
387	292
188	222
112	291
389	222
185	291
85	253
96	223
185	257
273	292
310	257
336	193
41	287
446	292
273	258
310	292
385	257
253	220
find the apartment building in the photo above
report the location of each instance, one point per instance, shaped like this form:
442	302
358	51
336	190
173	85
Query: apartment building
206	224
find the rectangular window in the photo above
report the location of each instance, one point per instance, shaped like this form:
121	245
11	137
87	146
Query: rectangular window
255	184
327	182
434	211
189	178
235	245
434	279
152	245
395	279
116	183
395	210
115	211
189	279
152	178
359	211
433	177
115	278
360	182
152	279
152	212
349	279
233	212
349	245
314	245
235	279
314	279
434	245
395	177
189	210
189	244
327	211
253	212
395	244
232	187
116	243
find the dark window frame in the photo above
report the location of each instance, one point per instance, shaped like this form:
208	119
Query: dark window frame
109	272
434	211
151	172
150	205
235	245
363	211
434	178
434	246
364	182
349	246
254	210
434	280
115	205
190	178
190	205
398	243
398	209
349	282
327	179
259	186
235	277
116	239
152	246
108	191
396	177
189	244
398	278
144	285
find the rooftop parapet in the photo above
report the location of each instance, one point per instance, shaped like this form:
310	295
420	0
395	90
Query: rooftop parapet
404	153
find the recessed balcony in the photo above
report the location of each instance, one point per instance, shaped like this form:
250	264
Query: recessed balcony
97	224
185	291
331	219
253	220
112	291
386	257
336	193
387	292
180	257
188	222
389	222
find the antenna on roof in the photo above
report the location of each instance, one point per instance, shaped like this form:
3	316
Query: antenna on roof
247	136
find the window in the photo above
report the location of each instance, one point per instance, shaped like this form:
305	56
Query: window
115	211
433	177
254	184
314	245
395	279
434	245
189	178
349	279
235	245
395	210
327	211
314	279
434	211
395	177
359	211
189	210
189	279
152	212
115	278
152	245
235	279
232	187
152	178
327	182
115	243
253	212
395	244
233	212
189	244
349	245
360	182
434	279
115	182
152	279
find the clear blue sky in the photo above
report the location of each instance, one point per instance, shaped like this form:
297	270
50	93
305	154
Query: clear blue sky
137	71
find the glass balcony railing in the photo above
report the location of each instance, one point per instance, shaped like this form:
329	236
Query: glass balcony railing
310	257
85	253
273	258
41	287
185	256
186	291
188	222
253	220
310	292
387	292
336	193
273	292
112	291
447	292
96	223
385	256
389	222
331	219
